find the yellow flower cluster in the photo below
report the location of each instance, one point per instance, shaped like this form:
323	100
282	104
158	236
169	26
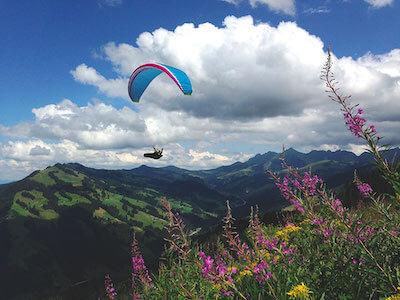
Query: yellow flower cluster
395	296
306	221
217	286
300	291
265	254
340	224
244	273
283	234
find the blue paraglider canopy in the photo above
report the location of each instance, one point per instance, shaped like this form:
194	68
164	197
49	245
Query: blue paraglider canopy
144	75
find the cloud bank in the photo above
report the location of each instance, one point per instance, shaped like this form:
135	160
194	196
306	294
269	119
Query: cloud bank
254	85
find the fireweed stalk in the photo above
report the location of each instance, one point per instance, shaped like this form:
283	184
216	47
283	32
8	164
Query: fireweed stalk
110	290
235	245
304	187
261	261
140	274
356	124
367	193
176	230
180	243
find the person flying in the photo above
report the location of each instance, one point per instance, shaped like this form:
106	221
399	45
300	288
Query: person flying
155	155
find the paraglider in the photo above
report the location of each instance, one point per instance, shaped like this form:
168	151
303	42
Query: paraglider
156	154
144	75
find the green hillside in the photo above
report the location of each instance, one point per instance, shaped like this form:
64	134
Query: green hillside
69	224
56	219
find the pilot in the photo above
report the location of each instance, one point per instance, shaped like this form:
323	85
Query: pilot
156	154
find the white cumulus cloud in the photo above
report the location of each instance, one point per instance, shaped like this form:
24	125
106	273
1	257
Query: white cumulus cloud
235	2
96	126
317	10
253	84
111	3
111	87
379	3
285	6
38	150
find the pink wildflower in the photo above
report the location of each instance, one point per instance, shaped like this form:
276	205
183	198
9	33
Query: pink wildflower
364	189
110	290
355	123
328	232
140	271
317	221
223	292
287	251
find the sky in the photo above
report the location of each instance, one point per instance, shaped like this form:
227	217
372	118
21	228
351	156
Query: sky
254	66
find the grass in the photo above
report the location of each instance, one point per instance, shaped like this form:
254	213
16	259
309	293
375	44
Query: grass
148	219
44	178
37	201
75	199
48	214
25	203
18	210
105	216
74	180
243	172
183	207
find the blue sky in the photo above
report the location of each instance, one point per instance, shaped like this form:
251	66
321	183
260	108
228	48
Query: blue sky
64	67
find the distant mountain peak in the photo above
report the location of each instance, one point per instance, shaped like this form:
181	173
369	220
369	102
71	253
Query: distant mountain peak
143	167
291	150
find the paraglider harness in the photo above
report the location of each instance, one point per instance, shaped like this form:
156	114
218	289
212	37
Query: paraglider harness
155	155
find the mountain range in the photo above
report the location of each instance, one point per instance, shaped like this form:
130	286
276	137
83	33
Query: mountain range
64	227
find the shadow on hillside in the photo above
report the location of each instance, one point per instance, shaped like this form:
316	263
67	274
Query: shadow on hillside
67	257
